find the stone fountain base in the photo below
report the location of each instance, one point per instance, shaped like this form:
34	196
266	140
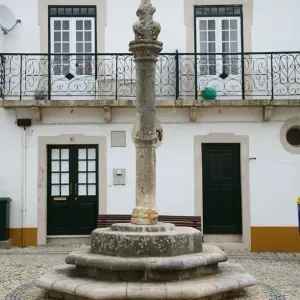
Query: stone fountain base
146	262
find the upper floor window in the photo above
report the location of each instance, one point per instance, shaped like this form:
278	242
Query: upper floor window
72	34
218	31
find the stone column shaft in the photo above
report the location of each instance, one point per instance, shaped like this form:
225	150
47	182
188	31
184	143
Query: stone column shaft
145	48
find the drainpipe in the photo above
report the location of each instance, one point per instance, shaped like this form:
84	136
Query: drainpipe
24	123
24	204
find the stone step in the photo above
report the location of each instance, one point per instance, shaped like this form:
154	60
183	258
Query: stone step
63	282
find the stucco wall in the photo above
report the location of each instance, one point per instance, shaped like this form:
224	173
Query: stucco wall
274	174
272	19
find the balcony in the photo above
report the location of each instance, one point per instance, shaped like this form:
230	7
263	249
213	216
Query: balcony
179	77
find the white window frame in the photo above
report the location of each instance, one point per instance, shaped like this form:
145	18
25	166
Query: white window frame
72	49
218	38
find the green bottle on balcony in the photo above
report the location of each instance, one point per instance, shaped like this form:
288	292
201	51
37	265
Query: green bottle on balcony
209	93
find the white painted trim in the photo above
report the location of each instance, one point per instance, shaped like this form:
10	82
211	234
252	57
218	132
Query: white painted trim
43	141
245	180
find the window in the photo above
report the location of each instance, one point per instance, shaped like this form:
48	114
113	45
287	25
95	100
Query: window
72	32
219	34
293	136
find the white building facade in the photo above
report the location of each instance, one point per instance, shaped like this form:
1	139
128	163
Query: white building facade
67	115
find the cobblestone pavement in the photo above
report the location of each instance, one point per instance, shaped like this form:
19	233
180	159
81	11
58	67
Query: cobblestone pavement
278	274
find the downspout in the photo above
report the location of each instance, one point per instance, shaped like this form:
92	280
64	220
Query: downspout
24	204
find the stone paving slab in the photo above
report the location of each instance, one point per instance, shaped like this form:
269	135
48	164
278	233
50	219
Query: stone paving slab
277	273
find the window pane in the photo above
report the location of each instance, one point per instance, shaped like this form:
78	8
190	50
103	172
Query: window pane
82	166
64	153
57	25
79	25
55	178
82	177
65	178
66	25
214	10
225	24
81	190
64	190
57	68
92	153
203	25
203	36
60	11
79	36
92	177
57	36
211	36
92	166
55	190
64	166
88	25
83	11
203	70
233	24
92	190
55	166
76	11
212	69
88	47
222	10
229	10
225	47
211	25
91	11
225	36
211	47
203	47
234	47
66	36
234	36
68	11
81	152
234	70
53	11
88	36
55	154
66	48
237	10
79	47
57	48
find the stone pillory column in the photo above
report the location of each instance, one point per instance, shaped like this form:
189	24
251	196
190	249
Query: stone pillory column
145	48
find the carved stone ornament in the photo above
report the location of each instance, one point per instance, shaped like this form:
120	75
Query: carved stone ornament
145	28
146	33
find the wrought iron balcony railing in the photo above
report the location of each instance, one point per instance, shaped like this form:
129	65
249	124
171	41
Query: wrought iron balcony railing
178	76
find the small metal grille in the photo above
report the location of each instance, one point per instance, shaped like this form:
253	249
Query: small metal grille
74	11
218	10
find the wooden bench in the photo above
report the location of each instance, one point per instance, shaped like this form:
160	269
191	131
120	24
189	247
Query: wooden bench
104	221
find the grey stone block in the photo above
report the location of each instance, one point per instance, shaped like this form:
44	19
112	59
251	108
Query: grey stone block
5	244
225	284
146	244
85	258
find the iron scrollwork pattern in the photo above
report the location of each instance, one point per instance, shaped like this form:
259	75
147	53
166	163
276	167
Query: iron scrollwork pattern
178	76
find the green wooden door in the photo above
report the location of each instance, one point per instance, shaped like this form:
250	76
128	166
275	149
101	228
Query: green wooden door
72	189
222	205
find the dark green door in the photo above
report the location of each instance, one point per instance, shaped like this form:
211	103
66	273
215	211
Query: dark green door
222	205
72	189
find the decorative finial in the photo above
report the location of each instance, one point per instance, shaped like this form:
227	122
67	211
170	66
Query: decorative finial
145	28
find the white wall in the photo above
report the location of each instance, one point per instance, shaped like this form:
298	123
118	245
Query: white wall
274	175
274	25
24	38
11	164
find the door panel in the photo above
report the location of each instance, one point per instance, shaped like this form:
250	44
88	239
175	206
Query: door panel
72	189
222	210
